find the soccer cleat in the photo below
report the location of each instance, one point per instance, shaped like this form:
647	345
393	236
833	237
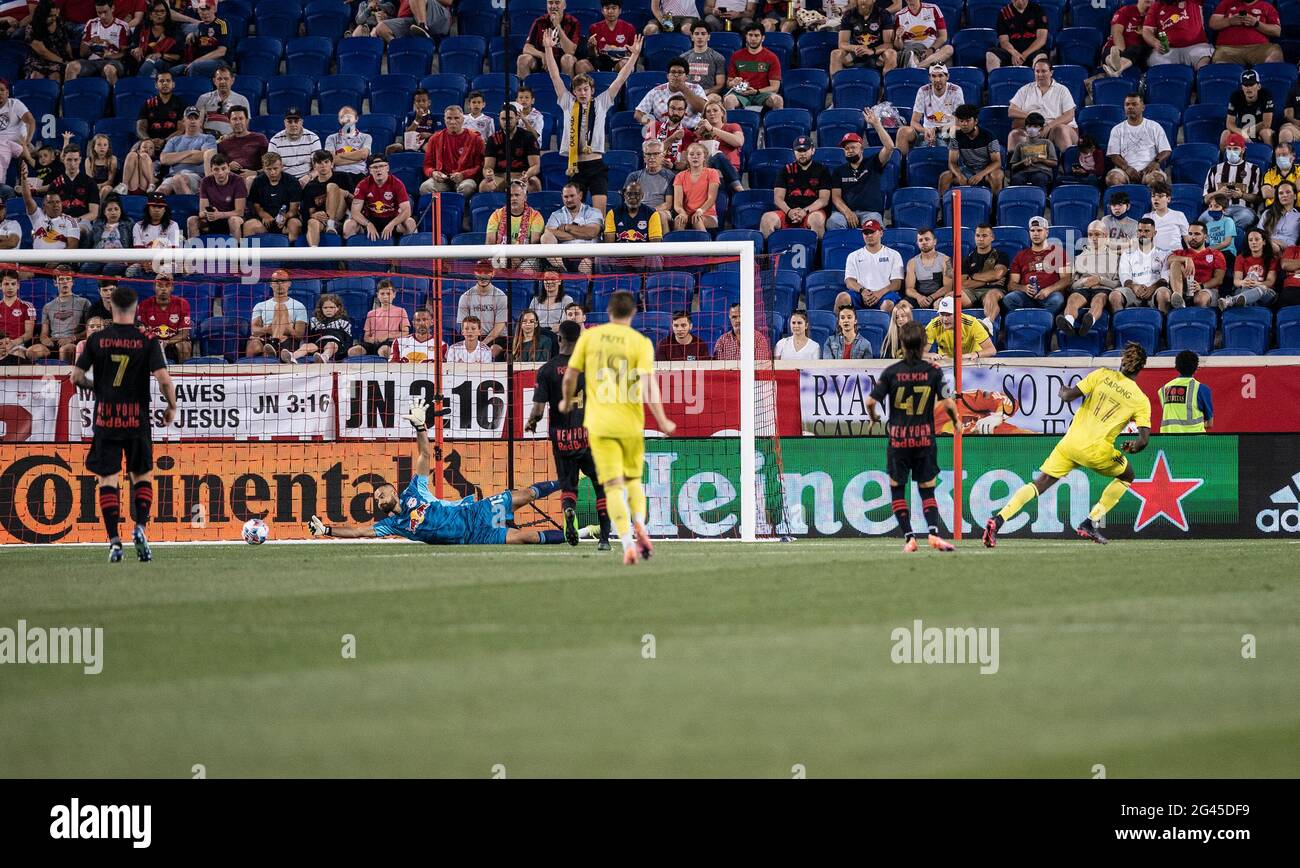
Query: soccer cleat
1087	530
142	550
570	526
990	534
630	557
115	551
910	545
940	544
602	546
644	547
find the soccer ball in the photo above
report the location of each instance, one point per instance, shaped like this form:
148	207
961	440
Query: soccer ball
255	531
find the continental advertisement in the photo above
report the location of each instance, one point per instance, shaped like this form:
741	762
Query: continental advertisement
1190	486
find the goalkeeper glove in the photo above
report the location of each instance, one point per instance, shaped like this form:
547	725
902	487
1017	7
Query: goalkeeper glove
319	528
421	411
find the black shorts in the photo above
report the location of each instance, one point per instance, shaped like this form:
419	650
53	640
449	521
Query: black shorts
279	344
106	453
593	177
1004	56
920	464
865	61
567	466
604	62
213	227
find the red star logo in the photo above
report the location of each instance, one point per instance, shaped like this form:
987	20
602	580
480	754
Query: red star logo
1163	495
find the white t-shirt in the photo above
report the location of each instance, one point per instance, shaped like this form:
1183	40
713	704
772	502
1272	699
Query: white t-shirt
680	8
53	234
157	236
412	349
111	38
586	216
1138	145
11	227
265	310
785	349
655	104
481	354
921	28
1170	229
1144	268
1051	105
600	107
534	120
874	271
11	119
935	110
483	125
337	143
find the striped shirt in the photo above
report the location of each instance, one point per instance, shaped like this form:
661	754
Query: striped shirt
1244	173
295	153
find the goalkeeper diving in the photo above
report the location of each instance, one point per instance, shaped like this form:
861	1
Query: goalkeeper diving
417	515
1111	399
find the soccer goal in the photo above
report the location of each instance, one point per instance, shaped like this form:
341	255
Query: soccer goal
298	364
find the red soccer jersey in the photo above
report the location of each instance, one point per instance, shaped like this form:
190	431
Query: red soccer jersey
617	40
1206	261
1131	20
1181	21
160	322
1238	35
759	70
1292	277
16	317
379	202
1044	264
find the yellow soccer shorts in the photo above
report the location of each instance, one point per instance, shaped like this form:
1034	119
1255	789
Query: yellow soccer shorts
1101	457
616	457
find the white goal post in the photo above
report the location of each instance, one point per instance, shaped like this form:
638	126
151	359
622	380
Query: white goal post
220	257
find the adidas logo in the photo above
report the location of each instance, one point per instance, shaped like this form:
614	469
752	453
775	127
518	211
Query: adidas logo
1282	520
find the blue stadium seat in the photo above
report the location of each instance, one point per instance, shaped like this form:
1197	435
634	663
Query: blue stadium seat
925	165
669	291
994	118
129	94
833	124
120	132
765	166
481	208
943	240
971	81
873	325
1089	15
335	91
445	89
970	44
805	88
782	126
976	206
1112	114
855	88
718	285
916	207
1138	195
360	55
222	336
85	98
1203	124
1028	329
413	55
308	55
277	20
259	55
663	47
1187	198
1079	45
1005	81
1071	76
832	157
725	42
901	86
797	249
625	133
392	93
1075	215
1171	84
749	123
749	206
322	125
289	91
1216	82
479	20
1192	328
1076	193
837	244
1010	239
620	164
382	129
1111	91
1092	343
1260	154
1168	116
1288	328
328	19
1247	328
814	49
1019	203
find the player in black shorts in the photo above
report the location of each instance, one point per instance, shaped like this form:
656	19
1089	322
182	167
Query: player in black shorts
568	437
122	359
913	386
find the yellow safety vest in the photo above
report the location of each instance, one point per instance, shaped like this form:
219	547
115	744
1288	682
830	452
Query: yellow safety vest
1180	412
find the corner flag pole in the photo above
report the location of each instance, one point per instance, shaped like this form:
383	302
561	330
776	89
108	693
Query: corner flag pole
957	362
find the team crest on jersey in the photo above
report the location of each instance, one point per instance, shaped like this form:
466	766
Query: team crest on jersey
417	516
388	194
175	318
411	502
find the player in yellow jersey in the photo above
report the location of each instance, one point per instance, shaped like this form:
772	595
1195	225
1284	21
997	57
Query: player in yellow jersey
619	365
1111	400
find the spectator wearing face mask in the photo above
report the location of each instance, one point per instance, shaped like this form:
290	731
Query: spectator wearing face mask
1238	180
1284	168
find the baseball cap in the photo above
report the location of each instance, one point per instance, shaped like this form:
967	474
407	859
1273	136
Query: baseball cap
1249	76
872	226
803	143
279	274
293	113
377	158
192	112
1038	222
939	67
944	305
1236	140
157	199
850	137
483	266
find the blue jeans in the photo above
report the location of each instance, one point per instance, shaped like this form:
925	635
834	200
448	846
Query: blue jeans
199	68
151	68
719	162
837	221
1053	304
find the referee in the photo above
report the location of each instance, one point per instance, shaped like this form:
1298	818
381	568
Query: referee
123	359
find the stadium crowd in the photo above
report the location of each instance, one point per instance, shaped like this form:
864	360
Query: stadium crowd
1127	172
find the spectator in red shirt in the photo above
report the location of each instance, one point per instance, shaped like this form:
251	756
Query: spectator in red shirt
1039	273
682	345
167	318
453	158
1195	273
380	206
753	74
1291	273
17	324
1175	30
1125	47
76	11
727	347
609	43
1246	29
568	31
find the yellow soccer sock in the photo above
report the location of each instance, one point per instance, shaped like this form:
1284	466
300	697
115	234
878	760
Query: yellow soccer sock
1109	497
1023	495
616	505
636	500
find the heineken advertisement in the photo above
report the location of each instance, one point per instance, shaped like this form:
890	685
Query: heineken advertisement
1185	486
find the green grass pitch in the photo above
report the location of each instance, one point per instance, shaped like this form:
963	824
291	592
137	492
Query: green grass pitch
765	656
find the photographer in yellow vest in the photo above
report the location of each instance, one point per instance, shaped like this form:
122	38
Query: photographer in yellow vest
1186	406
